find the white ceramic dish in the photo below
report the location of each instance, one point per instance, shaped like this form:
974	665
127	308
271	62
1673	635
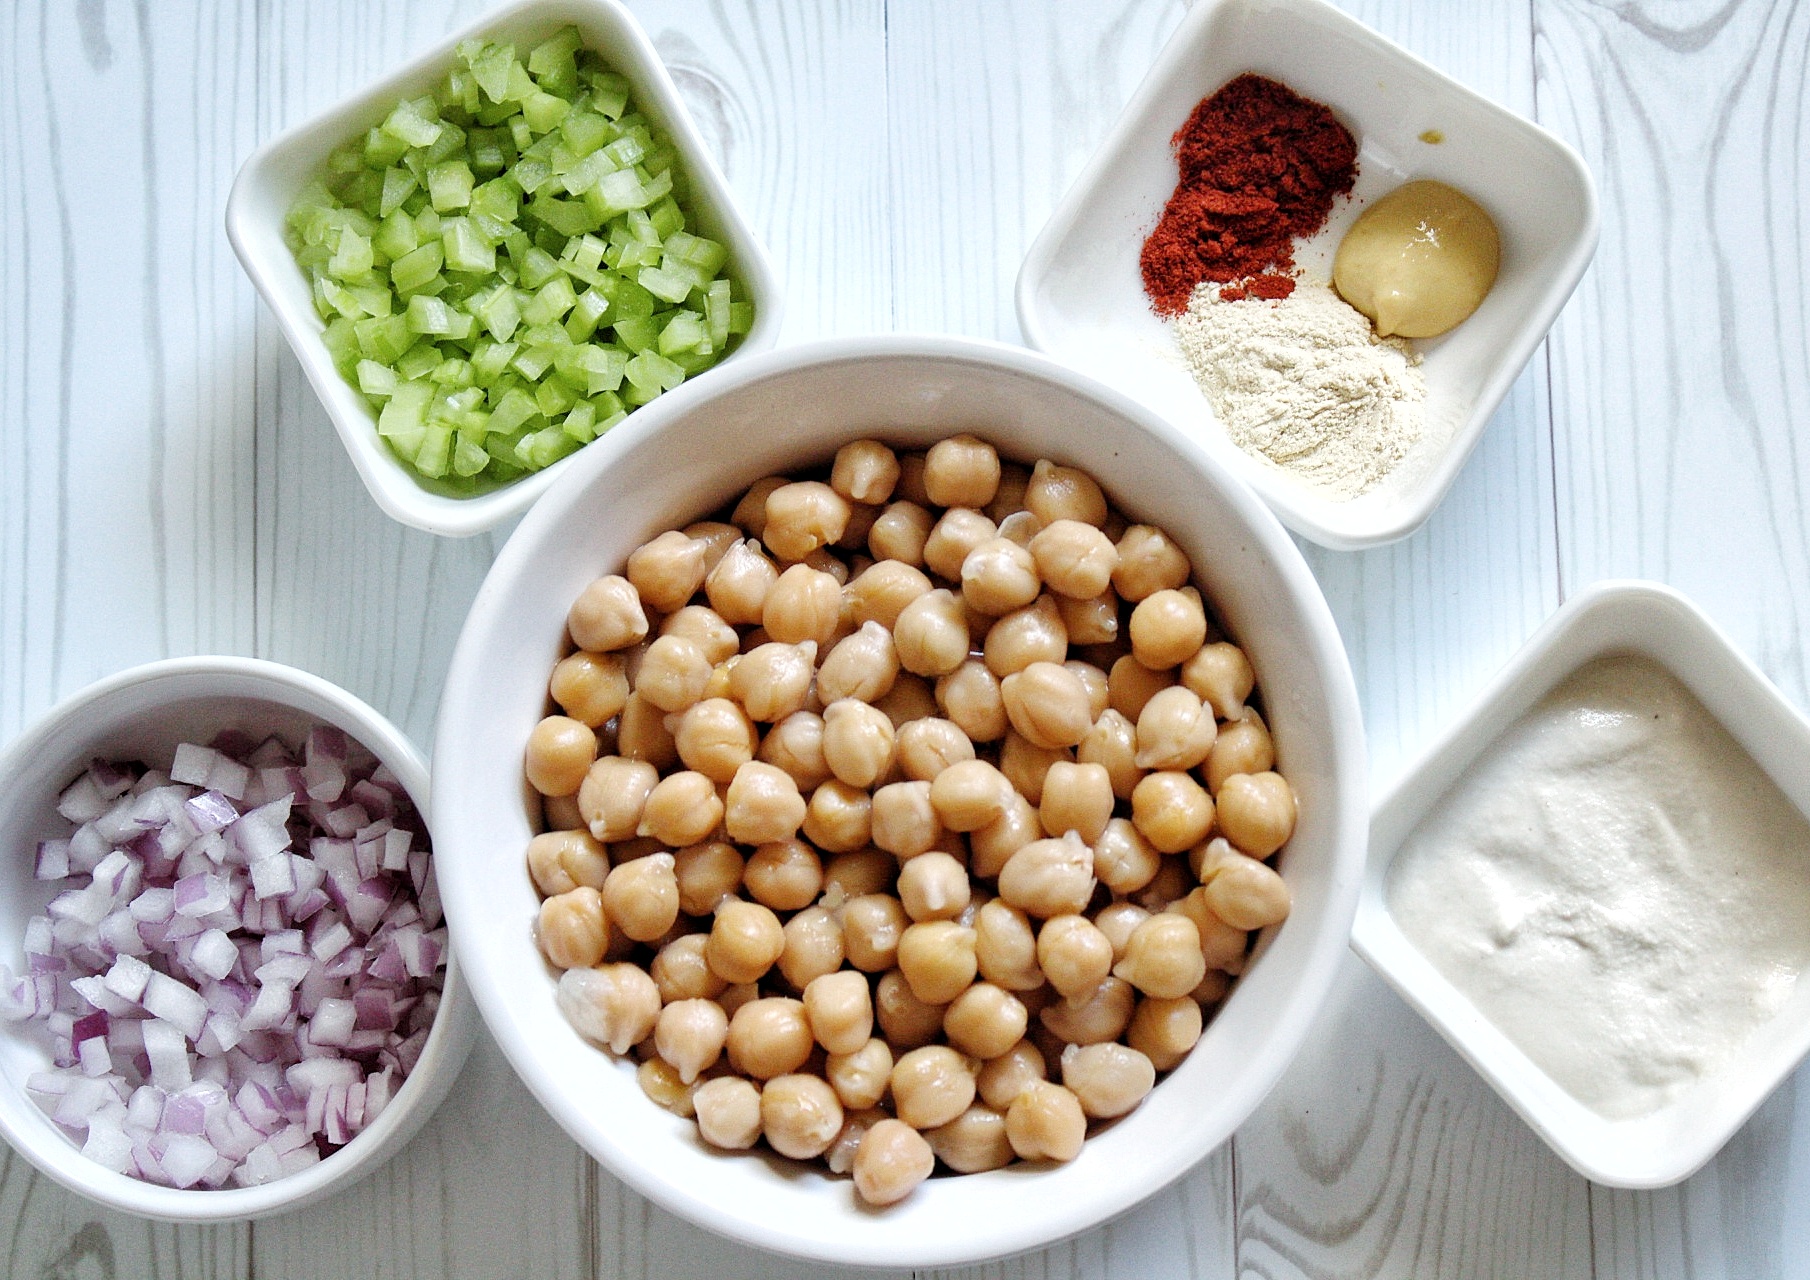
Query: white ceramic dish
1081	297
669	467
1640	618
270	180
144	713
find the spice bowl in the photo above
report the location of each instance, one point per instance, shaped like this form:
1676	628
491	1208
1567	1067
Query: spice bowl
276	173
1080	294
1659	1142
142	715
794	409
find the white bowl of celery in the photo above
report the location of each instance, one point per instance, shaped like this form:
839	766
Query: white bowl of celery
498	253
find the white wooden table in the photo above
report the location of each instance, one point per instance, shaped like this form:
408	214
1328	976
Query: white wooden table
168	485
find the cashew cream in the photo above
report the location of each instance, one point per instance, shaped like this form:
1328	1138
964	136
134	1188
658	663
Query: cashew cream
1616	885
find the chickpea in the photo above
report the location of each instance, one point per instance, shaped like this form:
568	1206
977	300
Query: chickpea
1131	685
590	687
1257	812
1003	1078
999	576
1148	562
1243	746
860	1078
1163	957
1074	559
800	1115
690	1035
969	794
1109	1079
953	538
934	886
680	971
1171	810
1049	877
1124	860
784	874
850	875
1076	797
985	1020
961	471
734	995
804	604
795	745
613	1004
1099	691
1047	704
890	1162
682	809
561	813
861	666
858	742
906	1021
667	571
763	805
745	939
728	1113
931	1086
1212	988
937	958
607	616
871	926
1046	1122
1064	493
904	821
773	680
931	635
899	534
1247	894
969	696
802	516
706	874
1168	627
1164	1030
838	818
704	627
641	733
717	536
991	846
1092	621
739	585
1101	1017
910	698
1112	744
865	471
1020	527
1009	497
840	1010
973	1142
929	745
911	479
573	930
1117	920
1032	634
1175	730
673	673
613	794
813	947
769	1037
715	737
1074	955
1222	945
641	897
1221	675
1005	947
560	861
661	1083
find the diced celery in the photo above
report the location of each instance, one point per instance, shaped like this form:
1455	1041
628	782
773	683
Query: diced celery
538	267
465	249
686	331
630	299
384	338
567	217
664	284
398	184
521	84
373	299
498	312
352	260
651	369
544	111
469	459
489	65
642	227
531	173
414	269
667	218
414	122
449	184
532	362
488	154
396	237
554	299
453	373
547	56
406	409
637	333
587	313
585	131
431	316
741	317
597	369
419	361
707	256
554	398
587	173
609	94
451	142
435	452
716	312
500	198
341	340
581	422
616	193
636	255
515	408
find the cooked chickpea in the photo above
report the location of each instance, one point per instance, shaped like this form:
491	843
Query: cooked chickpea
999	576
891	1161
969	696
762	805
613	794
560	861
561	813
1099	690
739	585
800	1115
1101	1017
706	874
573	929
1112	744
1171	810
673	673
865	471
784	874
1074	954
1005	947
899	534
717	536
715	737
751	509
938	959
969	794
1247	894
961	471
1049	877
850	875
1076	797
680	971
952	538
773	680
1009	497
745	939
1124	860
590	687
1164	1030
904	822
795	745
1074	559
1131	685
1012	830
690	1035
931	635
1149	561
667	571
682	809
861	666
1003	1078
704	627
973	1142
607	616
613	1004
1167	628
929	745
985	1020
1117	920
802	516
804	604
1057	493
906	1021
1222	677
931	1086
1047	704
1091	621
840	1010
1109	1079
1032	634
933	886
641	733
1045	1122
860	1078
910	698
1257	812
1020	527
661	1083
1222	945
838	818
641	897
813	947
1175	730
734	995
871	926
769	1037
1163	957
1243	746
728	1112
858	742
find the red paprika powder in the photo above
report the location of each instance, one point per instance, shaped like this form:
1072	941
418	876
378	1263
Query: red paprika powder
1260	166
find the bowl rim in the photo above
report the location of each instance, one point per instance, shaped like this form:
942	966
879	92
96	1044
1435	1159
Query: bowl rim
1430	491
390	485
1644	1152
455	1024
1349	801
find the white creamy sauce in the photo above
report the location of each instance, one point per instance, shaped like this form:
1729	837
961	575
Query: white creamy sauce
1616	885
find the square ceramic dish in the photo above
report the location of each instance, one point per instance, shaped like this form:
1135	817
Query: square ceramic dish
270	180
1642	619
1081	296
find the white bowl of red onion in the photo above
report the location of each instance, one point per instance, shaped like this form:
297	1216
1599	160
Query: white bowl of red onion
226	989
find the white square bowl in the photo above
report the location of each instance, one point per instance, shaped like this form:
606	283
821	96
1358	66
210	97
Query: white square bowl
1652	621
270	180
1081	296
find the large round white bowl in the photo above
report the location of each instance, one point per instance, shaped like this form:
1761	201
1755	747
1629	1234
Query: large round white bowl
142	714
682	457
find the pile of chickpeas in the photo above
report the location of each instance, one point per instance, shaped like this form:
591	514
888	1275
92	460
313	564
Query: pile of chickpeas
914	814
